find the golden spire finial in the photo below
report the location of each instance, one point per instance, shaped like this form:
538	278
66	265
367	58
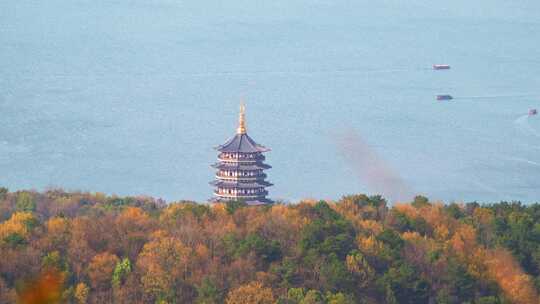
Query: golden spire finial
242	120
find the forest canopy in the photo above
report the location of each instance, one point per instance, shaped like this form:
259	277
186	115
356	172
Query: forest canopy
60	247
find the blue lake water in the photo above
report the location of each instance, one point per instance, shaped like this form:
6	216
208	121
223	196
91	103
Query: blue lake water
131	96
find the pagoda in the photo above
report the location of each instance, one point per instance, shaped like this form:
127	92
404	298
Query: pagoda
240	169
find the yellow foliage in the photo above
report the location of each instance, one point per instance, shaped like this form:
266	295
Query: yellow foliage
57	226
369	245
171	213
483	216
411	236
202	251
100	269
372	226
407	209
358	265
100	197
442	232
433	215
163	261
229	227
464	240
58	232
252	293
159	234
420	243
134	214
309	201
16	224
349	210
475	263
186	248
290	215
517	285
81	293
220	209
252	219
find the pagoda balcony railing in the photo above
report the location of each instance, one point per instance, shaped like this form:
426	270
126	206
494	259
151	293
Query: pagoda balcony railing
240	157
241	196
233	166
259	176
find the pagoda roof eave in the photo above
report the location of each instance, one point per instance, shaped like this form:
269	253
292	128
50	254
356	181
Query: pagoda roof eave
241	143
256	166
229	184
251	202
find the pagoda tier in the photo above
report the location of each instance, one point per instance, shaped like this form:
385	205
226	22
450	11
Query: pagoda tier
239	166
241	184
251	202
240	169
244	158
244	176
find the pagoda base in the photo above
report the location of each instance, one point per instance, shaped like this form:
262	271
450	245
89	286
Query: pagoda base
249	202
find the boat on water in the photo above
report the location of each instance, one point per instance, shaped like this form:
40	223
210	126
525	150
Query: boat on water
533	112
444	97
441	67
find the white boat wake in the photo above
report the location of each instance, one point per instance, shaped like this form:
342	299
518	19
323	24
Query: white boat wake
495	96
483	186
522	123
302	72
524	160
7	147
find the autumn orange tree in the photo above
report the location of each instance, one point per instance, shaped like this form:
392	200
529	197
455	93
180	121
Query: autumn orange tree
95	248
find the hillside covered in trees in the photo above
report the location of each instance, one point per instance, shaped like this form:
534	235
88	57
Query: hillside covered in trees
92	248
